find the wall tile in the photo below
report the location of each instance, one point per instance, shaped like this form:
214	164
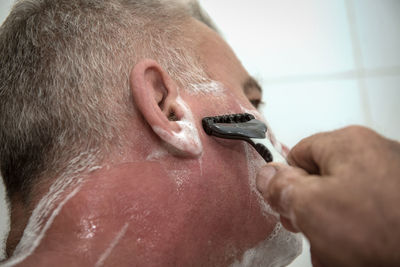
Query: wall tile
384	101
5	7
304	260
378	28
286	38
297	110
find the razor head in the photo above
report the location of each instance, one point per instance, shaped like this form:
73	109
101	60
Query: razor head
234	126
240	127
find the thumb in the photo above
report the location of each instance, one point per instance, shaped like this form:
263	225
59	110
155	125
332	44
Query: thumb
289	191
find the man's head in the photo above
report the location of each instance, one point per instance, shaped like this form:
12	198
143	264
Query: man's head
64	78
102	141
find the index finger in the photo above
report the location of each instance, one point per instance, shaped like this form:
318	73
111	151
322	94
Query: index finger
292	193
305	154
324	153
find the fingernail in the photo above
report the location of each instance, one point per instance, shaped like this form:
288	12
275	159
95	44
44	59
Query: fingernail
264	177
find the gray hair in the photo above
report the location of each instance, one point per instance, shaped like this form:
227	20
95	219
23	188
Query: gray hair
64	89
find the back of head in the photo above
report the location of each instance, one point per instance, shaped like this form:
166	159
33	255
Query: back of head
64	79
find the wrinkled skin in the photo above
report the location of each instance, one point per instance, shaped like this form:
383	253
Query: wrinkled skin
342	193
172	210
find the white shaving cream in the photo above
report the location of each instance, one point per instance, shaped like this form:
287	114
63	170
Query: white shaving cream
281	247
213	87
50	206
270	142
278	250
252	172
37	228
156	154
187	139
110	248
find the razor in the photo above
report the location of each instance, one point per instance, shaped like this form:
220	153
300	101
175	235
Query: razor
243	127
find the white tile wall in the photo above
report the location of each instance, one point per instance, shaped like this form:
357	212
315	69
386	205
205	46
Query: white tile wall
378	27
5	6
384	100
323	64
313	106
276	39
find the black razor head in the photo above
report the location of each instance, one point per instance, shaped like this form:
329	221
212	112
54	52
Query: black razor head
208	122
234	126
240	127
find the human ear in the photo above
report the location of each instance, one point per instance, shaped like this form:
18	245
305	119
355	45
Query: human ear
156	97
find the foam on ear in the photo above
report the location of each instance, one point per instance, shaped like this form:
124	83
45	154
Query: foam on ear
187	138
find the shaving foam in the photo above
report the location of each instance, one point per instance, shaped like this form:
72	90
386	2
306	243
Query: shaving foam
273	145
252	174
115	241
213	87
50	206
279	249
187	139
36	230
156	154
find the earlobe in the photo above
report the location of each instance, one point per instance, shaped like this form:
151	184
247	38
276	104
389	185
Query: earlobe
157	98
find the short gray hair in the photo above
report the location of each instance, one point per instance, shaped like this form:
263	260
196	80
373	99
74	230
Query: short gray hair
64	87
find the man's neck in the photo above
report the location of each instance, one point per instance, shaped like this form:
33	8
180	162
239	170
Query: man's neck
160	207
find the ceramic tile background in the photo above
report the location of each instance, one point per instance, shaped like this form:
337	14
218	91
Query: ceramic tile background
323	64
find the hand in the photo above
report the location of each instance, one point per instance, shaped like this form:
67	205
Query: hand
343	193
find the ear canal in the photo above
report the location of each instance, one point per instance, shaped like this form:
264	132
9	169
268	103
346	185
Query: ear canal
172	116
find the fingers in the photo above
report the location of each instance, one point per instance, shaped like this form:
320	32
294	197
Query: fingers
324	152
303	155
333	209
289	191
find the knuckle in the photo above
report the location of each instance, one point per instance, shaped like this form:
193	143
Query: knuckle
357	130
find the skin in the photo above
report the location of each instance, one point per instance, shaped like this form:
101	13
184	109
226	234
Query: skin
183	209
342	193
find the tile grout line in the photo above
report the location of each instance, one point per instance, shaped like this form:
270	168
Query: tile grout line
358	60
344	75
